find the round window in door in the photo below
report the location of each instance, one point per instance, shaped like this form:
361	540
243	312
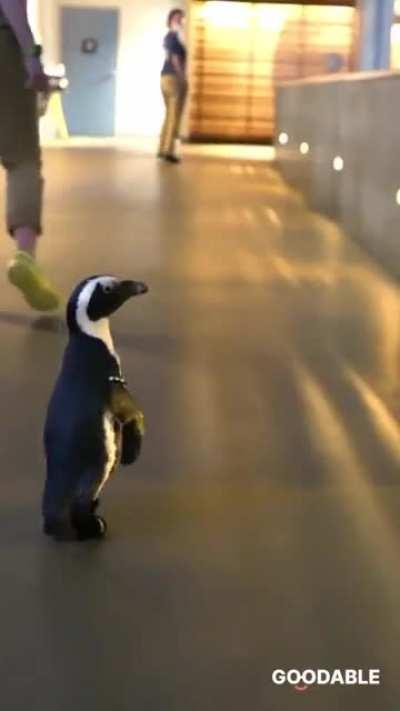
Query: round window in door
89	45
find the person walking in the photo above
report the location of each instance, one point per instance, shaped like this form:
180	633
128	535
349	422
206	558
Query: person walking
174	85
21	78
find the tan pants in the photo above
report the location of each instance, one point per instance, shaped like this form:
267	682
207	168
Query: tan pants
174	92
19	139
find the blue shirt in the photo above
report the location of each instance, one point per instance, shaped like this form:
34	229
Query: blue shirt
173	45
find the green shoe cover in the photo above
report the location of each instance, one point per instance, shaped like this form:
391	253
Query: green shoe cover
26	275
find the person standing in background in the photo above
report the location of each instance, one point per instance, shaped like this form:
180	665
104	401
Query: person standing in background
174	85
21	78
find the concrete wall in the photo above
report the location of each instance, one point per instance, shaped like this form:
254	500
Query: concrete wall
351	123
139	108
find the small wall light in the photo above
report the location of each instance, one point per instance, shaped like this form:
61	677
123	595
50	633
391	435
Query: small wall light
398	197
304	148
338	164
283	139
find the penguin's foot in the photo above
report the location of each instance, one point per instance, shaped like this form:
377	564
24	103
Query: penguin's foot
90	527
60	530
24	273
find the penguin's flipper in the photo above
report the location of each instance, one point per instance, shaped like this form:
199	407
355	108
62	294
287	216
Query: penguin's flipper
123	405
127	412
131	442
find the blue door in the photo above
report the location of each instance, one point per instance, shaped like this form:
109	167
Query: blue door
89	52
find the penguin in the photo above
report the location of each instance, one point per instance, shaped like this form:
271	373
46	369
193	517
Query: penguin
93	423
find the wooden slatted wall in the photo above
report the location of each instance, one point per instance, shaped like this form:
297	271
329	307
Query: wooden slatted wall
240	49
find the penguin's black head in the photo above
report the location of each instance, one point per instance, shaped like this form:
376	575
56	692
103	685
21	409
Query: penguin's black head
96	298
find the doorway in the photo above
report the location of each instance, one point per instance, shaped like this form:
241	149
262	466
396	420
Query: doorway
89	52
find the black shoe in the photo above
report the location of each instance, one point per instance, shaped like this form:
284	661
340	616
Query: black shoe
171	158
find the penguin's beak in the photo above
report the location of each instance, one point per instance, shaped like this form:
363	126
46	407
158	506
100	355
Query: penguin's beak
132	288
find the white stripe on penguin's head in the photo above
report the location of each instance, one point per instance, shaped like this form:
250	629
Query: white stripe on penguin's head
100	328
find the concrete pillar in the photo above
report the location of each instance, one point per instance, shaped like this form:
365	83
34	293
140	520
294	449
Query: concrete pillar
376	17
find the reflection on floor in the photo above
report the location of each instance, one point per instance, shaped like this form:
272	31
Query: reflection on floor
149	145
260	529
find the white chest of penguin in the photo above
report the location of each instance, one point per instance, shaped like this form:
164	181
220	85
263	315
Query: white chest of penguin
101	330
111	446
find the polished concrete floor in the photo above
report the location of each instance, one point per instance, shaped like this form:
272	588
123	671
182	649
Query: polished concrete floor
260	528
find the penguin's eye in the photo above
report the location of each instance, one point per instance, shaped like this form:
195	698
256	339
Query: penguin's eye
107	288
